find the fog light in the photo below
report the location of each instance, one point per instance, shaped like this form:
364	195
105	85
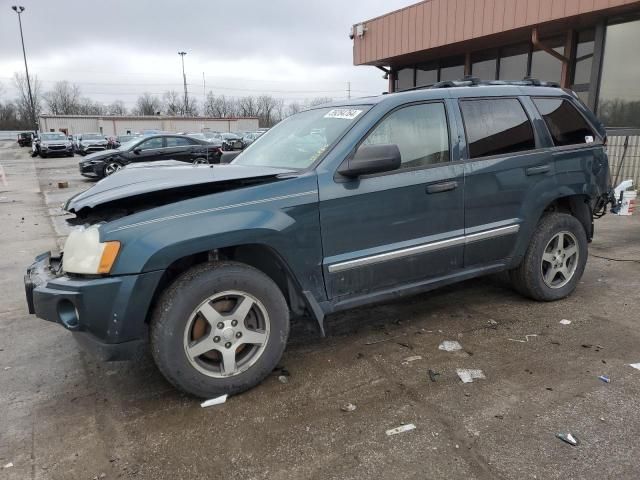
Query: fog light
68	313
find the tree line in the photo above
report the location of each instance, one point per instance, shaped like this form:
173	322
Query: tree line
66	98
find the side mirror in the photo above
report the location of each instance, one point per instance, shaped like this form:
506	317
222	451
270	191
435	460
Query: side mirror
370	159
137	150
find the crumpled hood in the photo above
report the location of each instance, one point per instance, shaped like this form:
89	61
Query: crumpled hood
100	155
144	178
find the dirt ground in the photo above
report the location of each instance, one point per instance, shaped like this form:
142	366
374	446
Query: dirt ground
63	415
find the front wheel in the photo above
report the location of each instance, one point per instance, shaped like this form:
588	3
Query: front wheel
555	259
219	328
111	167
201	161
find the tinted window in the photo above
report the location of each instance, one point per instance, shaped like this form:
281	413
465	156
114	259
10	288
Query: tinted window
496	126
151	143
566	125
420	131
405	78
178	142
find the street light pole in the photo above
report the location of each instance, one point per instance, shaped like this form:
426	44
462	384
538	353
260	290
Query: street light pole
19	9
184	78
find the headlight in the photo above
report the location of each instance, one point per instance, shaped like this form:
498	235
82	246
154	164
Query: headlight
84	253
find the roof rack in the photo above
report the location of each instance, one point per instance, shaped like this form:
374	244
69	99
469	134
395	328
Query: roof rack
470	81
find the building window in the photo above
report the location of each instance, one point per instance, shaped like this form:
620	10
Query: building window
419	131
514	62
426	75
496	127
484	65
452	69
405	79
584	58
619	96
565	124
544	66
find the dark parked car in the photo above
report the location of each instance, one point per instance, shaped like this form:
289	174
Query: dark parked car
90	143
50	144
150	149
25	139
231	141
336	207
250	137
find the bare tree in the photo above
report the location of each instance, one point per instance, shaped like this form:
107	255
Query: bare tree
173	103
116	107
63	99
23	103
86	106
293	108
247	107
147	105
220	106
314	102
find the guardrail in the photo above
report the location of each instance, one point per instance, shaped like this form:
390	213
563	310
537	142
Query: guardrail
623	147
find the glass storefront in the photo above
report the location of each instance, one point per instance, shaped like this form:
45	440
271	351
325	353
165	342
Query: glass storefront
619	97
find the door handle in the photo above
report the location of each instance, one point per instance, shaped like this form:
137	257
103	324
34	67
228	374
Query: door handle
540	169
442	187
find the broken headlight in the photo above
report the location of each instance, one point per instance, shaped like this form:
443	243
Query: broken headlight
84	253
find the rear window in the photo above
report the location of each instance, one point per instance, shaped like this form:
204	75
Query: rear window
566	125
496	126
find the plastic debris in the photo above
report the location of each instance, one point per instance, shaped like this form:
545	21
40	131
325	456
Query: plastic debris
408	360
605	378
568	438
401	429
8	465
450	346
635	365
564	321
433	376
467	375
214	401
283	379
349	407
526	338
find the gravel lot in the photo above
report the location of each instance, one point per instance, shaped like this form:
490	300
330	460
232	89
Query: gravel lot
64	415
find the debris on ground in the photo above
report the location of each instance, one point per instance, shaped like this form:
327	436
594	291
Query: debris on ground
467	374
10	464
605	378
564	321
568	438
450	346
433	376
408	360
63	184
214	401
283	379
635	365
526	338
348	407
374	342
283	370
401	429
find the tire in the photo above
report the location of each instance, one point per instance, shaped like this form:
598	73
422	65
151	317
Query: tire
43	155
110	168
174	323
200	161
549	271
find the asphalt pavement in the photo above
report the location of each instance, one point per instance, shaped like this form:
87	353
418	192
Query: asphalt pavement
64	415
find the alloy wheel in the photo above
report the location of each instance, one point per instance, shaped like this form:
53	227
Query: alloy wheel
560	259
112	167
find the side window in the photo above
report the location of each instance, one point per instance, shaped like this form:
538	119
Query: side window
496	126
566	125
151	143
420	131
178	142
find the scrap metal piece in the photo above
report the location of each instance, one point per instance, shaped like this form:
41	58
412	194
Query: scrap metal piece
467	375
568	438
401	429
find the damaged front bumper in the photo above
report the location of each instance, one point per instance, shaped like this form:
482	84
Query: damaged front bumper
107	315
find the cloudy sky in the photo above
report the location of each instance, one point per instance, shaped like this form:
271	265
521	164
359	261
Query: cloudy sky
293	49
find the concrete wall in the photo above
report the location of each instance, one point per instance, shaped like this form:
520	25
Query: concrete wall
120	125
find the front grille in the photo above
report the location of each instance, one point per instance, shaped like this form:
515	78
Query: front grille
56	147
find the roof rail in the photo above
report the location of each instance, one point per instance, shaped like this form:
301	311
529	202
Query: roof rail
470	81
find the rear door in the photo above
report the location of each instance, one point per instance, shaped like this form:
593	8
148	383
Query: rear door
507	162
392	229
183	149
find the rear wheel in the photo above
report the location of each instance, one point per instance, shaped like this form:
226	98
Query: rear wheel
555	259
219	328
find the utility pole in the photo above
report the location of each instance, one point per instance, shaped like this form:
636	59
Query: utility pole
19	9
348	90
204	91
184	77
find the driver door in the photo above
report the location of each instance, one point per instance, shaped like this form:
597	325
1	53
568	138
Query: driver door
385	230
150	150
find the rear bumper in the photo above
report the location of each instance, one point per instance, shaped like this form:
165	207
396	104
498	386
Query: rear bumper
104	313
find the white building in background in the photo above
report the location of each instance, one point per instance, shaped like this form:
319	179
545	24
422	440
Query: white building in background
113	125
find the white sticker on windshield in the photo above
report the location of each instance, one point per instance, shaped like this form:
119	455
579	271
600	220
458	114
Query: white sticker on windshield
344	113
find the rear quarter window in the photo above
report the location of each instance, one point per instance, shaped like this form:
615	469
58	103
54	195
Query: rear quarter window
566	125
496	126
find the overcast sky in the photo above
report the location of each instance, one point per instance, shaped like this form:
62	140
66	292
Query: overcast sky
293	49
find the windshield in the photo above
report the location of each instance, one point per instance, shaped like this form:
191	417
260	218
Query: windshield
125	138
92	136
129	144
230	136
53	136
299	140
197	135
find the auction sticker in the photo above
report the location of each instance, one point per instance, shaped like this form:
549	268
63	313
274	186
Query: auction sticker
344	113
